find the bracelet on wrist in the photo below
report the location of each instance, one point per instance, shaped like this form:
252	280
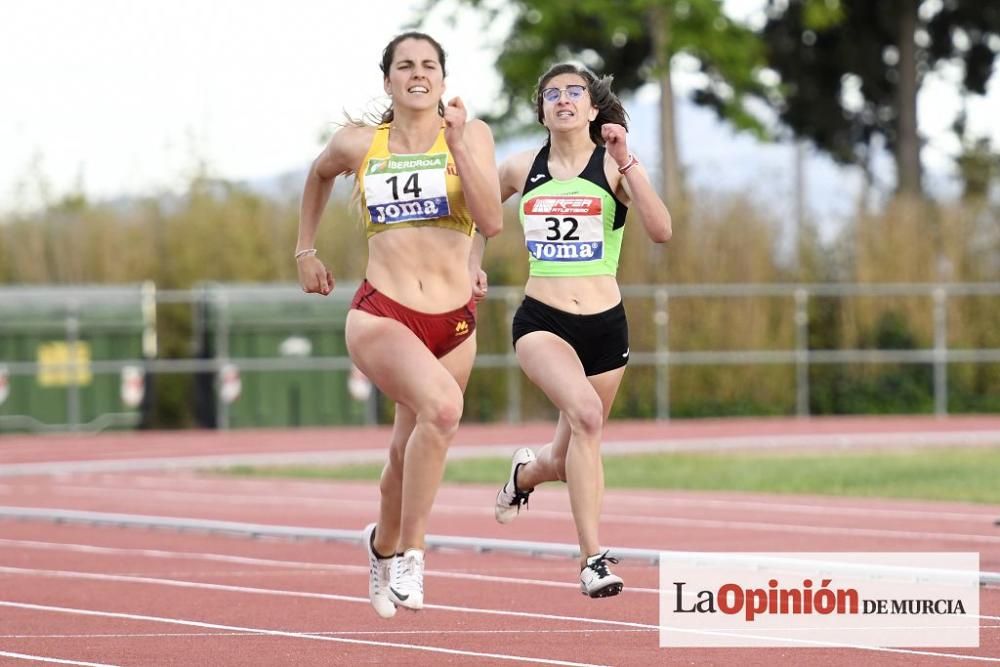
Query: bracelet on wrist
632	161
308	252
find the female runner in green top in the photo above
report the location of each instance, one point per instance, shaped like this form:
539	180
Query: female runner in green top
570	333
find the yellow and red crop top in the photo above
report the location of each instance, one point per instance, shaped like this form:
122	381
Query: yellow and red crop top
421	190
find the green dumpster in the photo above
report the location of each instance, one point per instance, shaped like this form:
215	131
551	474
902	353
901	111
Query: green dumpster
64	352
282	360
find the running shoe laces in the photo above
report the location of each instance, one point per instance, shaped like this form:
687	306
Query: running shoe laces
409	570
600	564
510	499
406	587
520	499
379	573
596	580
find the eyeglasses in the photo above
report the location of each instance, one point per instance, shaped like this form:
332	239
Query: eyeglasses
573	93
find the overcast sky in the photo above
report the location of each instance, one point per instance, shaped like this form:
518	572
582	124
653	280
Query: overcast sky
126	96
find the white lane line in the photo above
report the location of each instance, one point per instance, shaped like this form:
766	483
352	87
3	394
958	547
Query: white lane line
767	526
465	610
778	527
298	565
178	583
283	633
743	506
57	661
812	643
336	633
289	564
632	519
221	498
354	633
611	499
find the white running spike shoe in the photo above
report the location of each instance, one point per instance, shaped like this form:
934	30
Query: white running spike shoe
379	573
406	588
596	580
510	498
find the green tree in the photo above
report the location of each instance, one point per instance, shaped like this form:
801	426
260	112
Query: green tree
636	41
851	69
978	163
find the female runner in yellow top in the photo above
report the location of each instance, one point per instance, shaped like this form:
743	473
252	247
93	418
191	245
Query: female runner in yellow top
428	179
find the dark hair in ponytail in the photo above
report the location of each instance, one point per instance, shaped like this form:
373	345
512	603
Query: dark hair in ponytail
609	107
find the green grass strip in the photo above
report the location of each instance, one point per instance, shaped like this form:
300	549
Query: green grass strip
958	474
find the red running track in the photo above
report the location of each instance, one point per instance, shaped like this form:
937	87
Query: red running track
115	596
751	432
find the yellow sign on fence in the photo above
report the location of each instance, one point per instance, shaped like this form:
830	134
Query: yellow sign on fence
61	364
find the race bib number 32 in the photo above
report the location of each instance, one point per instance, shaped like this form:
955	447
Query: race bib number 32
564	229
406	188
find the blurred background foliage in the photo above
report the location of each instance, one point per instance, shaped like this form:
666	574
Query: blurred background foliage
222	231
841	75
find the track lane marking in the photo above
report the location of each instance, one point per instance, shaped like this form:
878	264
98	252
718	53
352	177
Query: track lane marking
57	661
283	633
303	565
453	608
616	496
764	526
270	562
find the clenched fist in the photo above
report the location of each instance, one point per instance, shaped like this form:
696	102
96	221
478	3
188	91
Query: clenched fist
616	142
454	122
313	276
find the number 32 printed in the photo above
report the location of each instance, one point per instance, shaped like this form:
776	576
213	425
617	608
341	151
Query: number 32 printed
555	229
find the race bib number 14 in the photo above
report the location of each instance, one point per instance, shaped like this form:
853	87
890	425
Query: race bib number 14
406	188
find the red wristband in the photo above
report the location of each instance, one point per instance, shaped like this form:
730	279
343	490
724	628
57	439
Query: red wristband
632	161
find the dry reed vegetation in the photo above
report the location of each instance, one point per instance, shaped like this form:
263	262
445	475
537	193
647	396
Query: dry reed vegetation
224	232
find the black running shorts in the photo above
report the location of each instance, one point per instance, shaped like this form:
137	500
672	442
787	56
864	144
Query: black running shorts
600	340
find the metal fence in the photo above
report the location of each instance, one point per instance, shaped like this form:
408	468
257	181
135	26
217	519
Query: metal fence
301	355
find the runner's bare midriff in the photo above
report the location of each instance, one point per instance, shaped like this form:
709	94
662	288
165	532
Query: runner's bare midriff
425	269
580	295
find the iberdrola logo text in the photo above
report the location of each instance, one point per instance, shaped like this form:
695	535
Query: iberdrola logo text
406	163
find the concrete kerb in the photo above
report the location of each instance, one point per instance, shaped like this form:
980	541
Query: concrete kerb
258	531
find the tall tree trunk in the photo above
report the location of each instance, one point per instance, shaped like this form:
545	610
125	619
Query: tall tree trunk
671	178
908	141
800	206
